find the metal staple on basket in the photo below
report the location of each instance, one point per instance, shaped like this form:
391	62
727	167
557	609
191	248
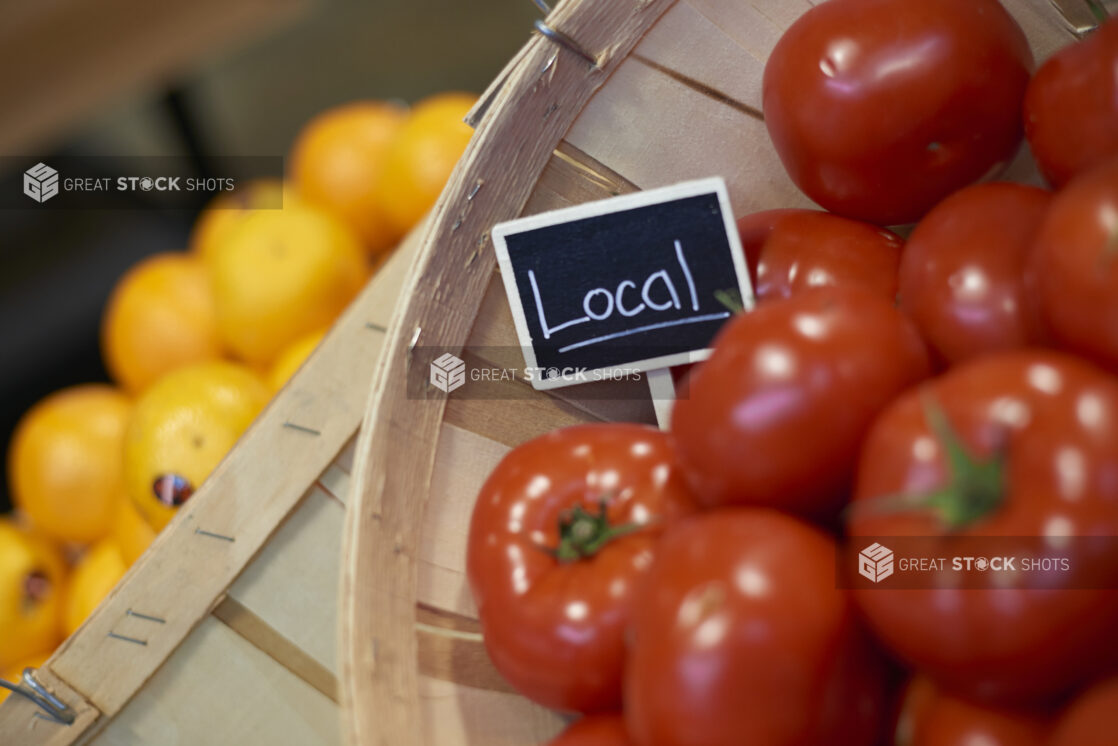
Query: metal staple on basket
56	710
564	41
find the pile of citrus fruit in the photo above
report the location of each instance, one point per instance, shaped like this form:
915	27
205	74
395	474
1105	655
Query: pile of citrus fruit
196	343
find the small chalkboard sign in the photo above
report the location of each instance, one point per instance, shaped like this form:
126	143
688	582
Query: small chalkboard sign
624	284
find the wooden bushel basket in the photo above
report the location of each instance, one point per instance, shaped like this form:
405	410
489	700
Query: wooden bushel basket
610	97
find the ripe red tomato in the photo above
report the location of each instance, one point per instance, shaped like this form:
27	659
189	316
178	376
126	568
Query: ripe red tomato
1016	444
775	416
740	636
562	529
1074	266
931	717
791	250
881	108
1091	719
595	730
1071	120
962	275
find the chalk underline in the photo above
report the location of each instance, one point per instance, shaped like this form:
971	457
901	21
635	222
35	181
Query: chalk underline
645	328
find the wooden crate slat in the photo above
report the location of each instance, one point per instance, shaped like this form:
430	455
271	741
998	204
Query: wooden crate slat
292	585
512	421
781	13
265	638
692	135
217	670
455	715
745	23
572	177
335	480
463	460
689	45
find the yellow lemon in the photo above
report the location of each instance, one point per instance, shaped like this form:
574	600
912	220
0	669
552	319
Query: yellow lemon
293	356
226	211
160	316
64	461
421	156
97	573
283	274
336	161
181	428
131	531
32	578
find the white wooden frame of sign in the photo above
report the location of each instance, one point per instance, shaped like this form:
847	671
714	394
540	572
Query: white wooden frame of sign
656	369
614	205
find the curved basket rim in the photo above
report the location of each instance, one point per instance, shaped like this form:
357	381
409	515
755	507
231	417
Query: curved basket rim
377	650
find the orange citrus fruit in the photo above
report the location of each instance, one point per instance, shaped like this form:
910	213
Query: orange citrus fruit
421	157
281	275
160	316
293	356
182	427
65	461
336	161
225	211
32	578
96	573
131	531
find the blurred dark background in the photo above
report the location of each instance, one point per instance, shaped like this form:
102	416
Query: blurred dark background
193	79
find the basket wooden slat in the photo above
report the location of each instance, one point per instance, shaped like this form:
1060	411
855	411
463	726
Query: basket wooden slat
676	95
218	671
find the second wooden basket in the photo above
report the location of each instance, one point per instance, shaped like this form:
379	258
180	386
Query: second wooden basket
610	97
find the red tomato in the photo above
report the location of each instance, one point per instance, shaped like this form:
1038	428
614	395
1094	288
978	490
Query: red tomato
790	250
595	730
1091	719
552	578
1070	118
963	271
881	108
1020	444
933	718
775	416
740	636
1074	266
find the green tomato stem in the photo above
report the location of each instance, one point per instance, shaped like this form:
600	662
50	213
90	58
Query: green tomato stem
731	299
1099	11
583	534
975	487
